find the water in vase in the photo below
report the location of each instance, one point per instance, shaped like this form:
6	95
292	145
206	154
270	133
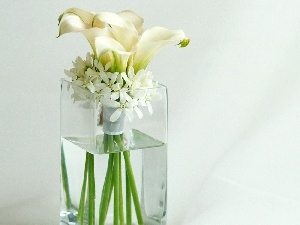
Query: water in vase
148	159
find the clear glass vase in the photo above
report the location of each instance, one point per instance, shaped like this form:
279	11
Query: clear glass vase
112	172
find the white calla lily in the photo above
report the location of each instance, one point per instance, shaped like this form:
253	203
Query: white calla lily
104	44
93	33
151	42
75	20
119	38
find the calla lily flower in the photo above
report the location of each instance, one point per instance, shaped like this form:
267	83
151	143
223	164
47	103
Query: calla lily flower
151	42
119	38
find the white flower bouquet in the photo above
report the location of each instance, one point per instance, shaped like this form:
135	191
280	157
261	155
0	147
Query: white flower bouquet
116	73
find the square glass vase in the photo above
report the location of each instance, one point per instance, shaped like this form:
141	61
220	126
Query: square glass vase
112	173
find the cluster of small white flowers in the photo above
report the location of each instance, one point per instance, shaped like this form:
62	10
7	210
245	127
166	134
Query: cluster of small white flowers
126	92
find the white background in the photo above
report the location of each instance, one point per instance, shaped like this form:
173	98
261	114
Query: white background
234	126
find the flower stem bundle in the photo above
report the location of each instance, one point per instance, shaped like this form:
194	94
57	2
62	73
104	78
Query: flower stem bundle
112	185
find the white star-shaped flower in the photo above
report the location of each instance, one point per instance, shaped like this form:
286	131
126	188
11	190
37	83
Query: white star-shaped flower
125	105
148	96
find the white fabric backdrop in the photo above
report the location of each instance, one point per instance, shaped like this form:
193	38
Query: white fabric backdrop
234	108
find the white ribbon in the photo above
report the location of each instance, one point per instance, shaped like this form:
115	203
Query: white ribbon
112	128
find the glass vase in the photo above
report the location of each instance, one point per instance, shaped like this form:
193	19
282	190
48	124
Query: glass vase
112	172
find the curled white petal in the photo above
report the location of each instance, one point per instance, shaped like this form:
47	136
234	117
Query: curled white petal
85	16
133	18
124	31
151	41
94	32
104	44
72	23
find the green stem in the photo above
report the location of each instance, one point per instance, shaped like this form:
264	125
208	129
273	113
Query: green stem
113	182
120	191
116	188
106	191
83	192
134	191
110	192
111	145
119	142
91	193
105	143
128	202
65	180
131	181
